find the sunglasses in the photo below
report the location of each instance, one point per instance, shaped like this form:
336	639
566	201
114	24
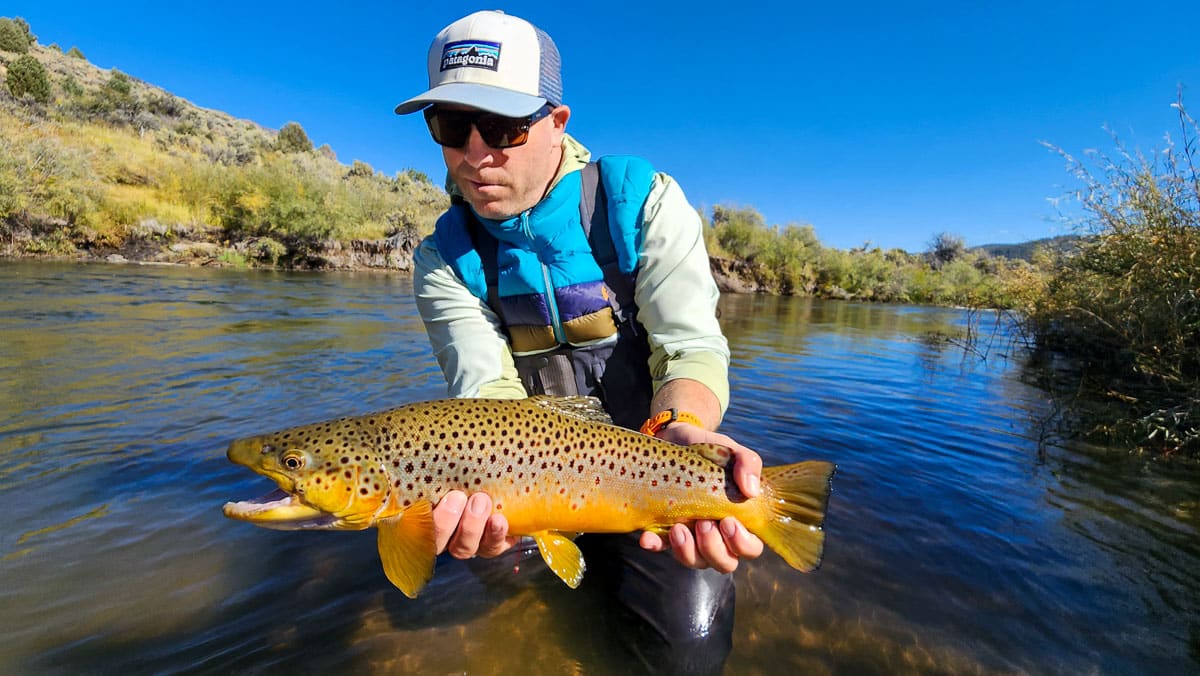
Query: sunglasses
452	128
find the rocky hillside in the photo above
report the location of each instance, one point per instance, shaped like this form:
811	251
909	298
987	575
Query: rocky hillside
97	163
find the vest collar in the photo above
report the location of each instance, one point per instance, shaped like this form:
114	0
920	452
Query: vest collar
537	226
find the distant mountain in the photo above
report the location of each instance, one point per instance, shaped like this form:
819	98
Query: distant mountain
1024	250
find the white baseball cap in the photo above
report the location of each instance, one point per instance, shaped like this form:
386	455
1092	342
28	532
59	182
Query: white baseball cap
492	61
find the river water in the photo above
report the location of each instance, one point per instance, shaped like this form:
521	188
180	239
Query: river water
962	537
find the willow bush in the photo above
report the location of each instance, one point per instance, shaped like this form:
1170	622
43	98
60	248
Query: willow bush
1125	306
791	260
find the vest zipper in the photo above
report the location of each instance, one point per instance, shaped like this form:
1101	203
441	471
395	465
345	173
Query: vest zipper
551	300
552	303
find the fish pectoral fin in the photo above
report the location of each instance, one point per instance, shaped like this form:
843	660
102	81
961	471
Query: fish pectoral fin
562	556
407	548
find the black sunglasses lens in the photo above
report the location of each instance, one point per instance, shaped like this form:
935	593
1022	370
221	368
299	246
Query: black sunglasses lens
450	128
503	132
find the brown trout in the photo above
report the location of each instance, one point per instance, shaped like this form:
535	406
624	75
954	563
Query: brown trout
553	466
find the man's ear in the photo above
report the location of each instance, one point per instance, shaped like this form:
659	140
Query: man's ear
560	116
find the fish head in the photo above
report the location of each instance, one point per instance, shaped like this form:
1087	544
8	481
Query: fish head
326	480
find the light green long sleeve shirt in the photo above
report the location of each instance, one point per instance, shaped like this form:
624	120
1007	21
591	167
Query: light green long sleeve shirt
675	294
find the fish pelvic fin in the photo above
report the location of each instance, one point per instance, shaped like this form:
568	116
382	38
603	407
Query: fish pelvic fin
407	547
797	496
562	556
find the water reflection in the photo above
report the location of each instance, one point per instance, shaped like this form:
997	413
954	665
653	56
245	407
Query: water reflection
955	544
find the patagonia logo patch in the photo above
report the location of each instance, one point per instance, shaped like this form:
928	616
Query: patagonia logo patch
471	54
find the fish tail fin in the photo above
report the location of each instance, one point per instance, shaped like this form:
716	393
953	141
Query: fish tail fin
797	495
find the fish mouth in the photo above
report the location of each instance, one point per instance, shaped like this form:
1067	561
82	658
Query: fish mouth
280	510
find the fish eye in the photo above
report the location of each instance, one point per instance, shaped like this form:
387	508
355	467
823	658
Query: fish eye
293	461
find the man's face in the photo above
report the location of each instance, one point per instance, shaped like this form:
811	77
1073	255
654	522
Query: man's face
501	183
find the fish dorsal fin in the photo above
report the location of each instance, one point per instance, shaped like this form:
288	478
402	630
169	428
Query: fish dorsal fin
407	547
562	556
721	455
587	409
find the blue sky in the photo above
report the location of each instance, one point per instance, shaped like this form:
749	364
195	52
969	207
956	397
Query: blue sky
880	122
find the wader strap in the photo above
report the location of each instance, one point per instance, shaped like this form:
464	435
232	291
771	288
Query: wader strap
591	193
593	214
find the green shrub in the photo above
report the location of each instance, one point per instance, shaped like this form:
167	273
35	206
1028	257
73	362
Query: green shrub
25	29
27	76
360	169
72	87
1125	306
292	139
14	37
269	251
74	53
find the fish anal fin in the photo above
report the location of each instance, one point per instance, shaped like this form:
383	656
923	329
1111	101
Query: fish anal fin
562	556
659	530
407	547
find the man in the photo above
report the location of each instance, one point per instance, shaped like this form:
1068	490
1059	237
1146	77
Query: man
520	295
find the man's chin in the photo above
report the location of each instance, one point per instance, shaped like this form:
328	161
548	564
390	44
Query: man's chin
494	209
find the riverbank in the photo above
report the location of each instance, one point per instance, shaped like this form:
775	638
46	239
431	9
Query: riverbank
153	243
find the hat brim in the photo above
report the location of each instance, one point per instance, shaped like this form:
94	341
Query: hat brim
504	102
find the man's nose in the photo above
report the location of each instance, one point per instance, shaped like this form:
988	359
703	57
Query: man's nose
476	152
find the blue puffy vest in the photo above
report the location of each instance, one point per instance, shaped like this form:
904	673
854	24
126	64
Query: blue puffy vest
561	278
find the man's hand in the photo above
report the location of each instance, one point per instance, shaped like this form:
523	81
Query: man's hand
712	545
467	527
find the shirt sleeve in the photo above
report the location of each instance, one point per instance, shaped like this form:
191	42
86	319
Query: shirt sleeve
676	295
464	332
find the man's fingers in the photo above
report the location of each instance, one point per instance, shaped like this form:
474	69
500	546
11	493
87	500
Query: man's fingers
446	517
683	546
710	547
740	542
465	542
652	542
747	468
495	539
